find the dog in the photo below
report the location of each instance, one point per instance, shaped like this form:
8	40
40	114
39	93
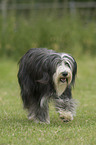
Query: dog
44	74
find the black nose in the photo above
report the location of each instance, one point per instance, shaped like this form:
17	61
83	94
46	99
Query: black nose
65	73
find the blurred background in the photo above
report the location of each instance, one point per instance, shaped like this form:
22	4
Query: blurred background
63	25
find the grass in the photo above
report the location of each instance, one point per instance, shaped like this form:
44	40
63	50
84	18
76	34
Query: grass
15	127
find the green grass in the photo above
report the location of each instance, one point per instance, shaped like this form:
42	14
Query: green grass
45	29
15	127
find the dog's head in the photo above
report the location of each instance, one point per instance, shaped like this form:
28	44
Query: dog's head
65	73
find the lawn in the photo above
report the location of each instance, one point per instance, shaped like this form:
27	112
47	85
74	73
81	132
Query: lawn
15	127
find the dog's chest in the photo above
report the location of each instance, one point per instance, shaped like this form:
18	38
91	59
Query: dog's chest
60	89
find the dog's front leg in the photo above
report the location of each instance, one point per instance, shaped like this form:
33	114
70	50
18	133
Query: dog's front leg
66	106
39	112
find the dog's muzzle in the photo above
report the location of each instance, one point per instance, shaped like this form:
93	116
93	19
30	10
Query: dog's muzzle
65	77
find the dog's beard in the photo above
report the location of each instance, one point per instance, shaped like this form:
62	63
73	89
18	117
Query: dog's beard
62	78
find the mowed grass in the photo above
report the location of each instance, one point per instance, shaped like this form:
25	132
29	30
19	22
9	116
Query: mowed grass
15	127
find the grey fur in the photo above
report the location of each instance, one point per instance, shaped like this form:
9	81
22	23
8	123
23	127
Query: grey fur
35	76
39	114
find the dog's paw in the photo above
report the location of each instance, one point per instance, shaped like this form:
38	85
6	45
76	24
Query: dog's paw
33	118
66	115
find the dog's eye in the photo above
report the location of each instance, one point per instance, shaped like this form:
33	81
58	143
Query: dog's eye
67	64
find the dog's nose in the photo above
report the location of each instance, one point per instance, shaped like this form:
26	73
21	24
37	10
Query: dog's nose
65	73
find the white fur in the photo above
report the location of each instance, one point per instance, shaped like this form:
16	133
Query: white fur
43	101
69	61
66	115
59	86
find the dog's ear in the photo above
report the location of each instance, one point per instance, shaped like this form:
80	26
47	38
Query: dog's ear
74	72
44	79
